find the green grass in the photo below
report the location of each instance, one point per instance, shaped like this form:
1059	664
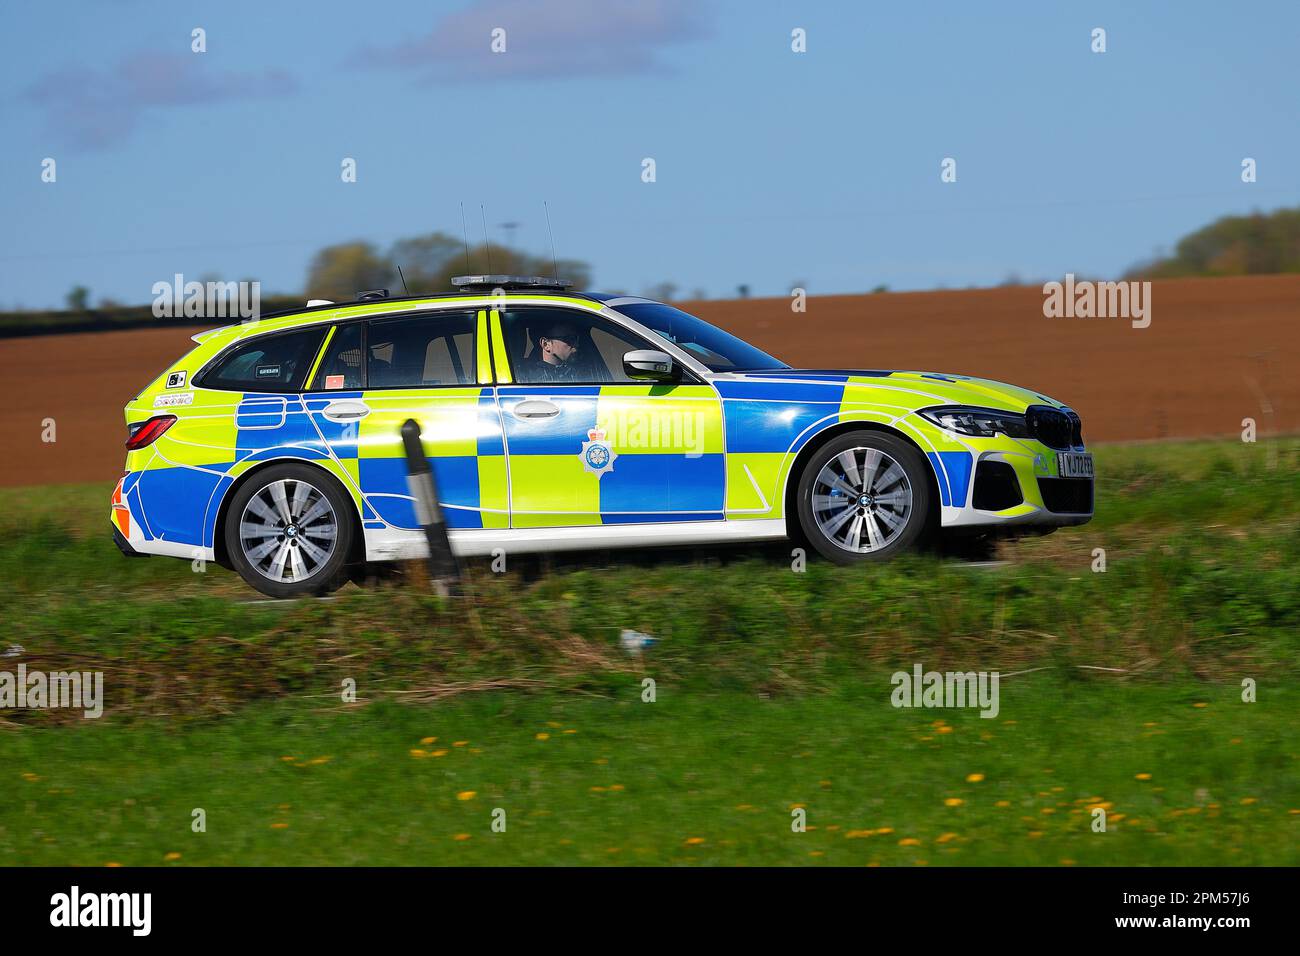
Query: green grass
770	682
721	769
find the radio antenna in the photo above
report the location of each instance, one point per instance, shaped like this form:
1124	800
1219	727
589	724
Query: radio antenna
487	243
464	229
405	290
555	263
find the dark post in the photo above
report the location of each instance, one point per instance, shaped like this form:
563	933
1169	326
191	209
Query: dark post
443	569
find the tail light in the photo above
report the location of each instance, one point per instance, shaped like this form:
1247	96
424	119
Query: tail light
142	434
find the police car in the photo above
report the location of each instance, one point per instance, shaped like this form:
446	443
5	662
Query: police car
560	420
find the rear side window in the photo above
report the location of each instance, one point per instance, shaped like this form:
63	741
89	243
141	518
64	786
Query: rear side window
341	367
421	351
270	363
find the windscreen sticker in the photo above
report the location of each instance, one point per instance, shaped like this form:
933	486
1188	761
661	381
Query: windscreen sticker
268	371
186	398
176	380
335	381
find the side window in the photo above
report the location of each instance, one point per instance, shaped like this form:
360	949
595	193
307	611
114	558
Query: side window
341	367
270	363
563	345
421	351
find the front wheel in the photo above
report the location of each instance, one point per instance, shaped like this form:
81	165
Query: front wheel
288	531
864	496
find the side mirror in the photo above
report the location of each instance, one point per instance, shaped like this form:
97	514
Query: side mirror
649	365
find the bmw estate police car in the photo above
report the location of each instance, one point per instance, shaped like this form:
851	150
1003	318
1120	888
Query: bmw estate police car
556	420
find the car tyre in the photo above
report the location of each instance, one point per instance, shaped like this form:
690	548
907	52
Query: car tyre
289	531
865	496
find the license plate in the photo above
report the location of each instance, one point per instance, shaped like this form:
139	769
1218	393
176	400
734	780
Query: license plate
1073	464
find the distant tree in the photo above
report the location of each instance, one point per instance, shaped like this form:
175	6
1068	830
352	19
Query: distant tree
742	291
341	271
78	298
427	261
1233	245
881	288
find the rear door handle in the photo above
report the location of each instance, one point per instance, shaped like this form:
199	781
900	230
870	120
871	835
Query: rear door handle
348	410
535	408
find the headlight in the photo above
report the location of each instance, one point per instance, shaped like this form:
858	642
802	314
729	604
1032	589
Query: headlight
977	422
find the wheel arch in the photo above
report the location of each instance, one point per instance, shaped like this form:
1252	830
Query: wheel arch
358	548
830	433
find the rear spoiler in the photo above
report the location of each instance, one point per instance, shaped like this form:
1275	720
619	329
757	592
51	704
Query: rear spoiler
200	336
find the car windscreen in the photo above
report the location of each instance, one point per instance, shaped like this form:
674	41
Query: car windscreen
718	350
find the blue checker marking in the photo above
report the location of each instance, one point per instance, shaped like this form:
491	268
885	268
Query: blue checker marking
952	472
174	497
650	484
456	479
793	392
561	435
770	426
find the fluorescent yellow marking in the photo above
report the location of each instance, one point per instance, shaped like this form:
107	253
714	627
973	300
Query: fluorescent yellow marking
483	348
499	350
320	357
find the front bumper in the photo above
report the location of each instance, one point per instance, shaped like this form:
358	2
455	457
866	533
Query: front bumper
1003	481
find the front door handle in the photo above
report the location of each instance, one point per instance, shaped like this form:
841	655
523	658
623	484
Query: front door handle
348	410
535	408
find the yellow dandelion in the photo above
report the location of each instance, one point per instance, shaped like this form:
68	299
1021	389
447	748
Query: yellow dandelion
616	786
279	826
909	841
596	789
953	802
1247	801
570	731
856	834
974	777
694	841
1035	834
459	743
884	830
1067	862
287	759
428	740
1003	803
316	761
416	752
543	736
945	838
31	777
816	853
168	858
1142	776
461	836
112	864
945	729
554	724
1200	704
466	795
438	753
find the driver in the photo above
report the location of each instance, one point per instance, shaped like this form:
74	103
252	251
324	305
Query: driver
553	359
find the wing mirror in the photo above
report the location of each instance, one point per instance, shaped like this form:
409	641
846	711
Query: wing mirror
649	365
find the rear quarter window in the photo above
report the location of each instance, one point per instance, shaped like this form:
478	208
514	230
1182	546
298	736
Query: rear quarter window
268	363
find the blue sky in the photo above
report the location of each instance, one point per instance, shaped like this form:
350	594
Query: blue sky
772	167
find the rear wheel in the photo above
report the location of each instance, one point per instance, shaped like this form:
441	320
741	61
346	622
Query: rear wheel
864	496
289	530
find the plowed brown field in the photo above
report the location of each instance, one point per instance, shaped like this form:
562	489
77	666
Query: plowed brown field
1217	351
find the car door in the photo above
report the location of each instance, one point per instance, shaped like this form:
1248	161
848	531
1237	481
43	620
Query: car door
377	373
592	445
